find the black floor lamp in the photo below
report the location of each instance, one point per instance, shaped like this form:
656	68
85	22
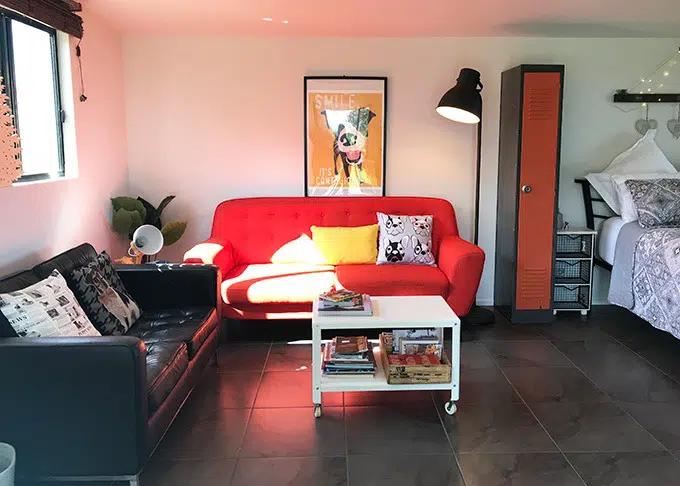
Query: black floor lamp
463	104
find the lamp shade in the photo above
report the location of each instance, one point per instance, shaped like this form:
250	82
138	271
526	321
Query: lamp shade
463	102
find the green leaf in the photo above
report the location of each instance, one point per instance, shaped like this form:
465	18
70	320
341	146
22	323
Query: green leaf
129	204
151	212
125	222
164	203
173	231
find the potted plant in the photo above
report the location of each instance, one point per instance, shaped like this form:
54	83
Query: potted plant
130	213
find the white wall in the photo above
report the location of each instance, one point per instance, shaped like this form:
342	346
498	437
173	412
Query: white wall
42	219
211	119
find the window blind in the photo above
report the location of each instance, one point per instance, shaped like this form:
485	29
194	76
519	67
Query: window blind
59	14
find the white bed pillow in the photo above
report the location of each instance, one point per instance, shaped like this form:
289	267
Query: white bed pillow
628	209
645	157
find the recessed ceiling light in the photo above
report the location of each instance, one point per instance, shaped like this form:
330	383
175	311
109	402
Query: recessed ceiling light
284	21
267	19
666	73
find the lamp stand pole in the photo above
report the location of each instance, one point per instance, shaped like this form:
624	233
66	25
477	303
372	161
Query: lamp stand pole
478	315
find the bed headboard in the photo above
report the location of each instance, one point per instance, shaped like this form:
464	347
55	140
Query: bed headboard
589	201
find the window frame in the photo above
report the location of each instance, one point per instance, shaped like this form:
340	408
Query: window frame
7	72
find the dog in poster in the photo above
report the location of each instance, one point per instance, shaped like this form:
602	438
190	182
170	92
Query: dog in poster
350	131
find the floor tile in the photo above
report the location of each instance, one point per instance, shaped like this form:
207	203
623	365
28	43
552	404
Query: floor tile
537	469
215	435
290	357
224	390
621	323
583	427
399	397
474	356
661	353
404	470
620	373
496	427
554	385
280	432
574	330
291	471
486	385
395	429
527	353
660	420
291	389
627	468
238	358
188	473
593	354
501	330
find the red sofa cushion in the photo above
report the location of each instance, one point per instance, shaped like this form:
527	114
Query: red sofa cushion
393	279
276	283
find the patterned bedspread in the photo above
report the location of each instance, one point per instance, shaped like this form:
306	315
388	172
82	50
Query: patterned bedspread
656	279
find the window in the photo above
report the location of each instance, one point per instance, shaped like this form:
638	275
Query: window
28	56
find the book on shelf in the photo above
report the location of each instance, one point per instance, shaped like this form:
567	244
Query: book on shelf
350	345
356	356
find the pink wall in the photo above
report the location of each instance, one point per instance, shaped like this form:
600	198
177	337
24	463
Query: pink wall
42	219
215	118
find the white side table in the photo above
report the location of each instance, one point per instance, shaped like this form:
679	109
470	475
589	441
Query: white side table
573	281
408	312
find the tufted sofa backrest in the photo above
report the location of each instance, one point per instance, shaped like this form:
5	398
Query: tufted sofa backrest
258	227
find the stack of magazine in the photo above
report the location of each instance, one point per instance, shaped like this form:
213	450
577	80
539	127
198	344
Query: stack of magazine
345	303
348	356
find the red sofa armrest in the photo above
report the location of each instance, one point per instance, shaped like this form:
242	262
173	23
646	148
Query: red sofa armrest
462	263
213	251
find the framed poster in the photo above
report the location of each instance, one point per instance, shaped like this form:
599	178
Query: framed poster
345	136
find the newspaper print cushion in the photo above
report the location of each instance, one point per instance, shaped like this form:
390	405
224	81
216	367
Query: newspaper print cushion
112	311
405	240
46	309
657	201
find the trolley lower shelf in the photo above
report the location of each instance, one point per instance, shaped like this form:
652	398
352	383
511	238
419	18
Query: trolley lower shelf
407	312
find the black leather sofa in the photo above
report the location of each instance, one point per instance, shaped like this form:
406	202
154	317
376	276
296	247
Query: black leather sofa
96	408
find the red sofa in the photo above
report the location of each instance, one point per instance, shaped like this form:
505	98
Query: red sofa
249	234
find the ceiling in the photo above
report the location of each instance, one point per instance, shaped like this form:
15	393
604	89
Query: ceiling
394	18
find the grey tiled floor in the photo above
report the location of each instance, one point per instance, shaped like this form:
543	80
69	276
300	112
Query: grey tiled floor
592	402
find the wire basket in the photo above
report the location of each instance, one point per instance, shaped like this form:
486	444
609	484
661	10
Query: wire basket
574	246
572	271
565	297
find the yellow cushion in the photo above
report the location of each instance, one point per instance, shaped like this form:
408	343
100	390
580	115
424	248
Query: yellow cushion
344	245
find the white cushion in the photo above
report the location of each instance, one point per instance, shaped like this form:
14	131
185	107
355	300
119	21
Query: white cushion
645	157
46	309
628	209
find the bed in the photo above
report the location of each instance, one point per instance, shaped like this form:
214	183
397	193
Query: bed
644	263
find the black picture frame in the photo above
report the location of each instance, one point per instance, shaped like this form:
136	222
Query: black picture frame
382	80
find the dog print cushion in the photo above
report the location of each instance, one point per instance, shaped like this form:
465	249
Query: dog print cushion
405	240
104	300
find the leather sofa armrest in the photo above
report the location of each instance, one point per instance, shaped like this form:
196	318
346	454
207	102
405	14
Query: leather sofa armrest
171	286
213	251
75	406
462	263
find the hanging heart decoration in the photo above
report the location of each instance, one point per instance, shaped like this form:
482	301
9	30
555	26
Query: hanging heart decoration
674	127
643	126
